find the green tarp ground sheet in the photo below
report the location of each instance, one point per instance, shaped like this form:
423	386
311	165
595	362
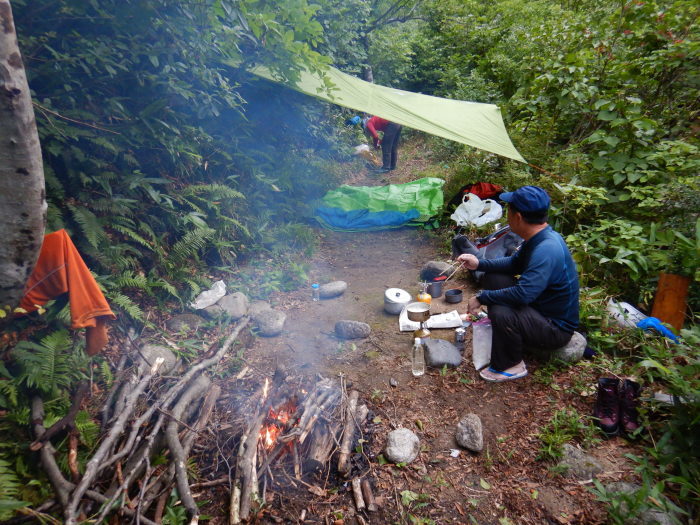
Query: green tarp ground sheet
476	124
362	208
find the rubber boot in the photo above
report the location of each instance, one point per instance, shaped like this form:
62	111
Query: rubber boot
629	418
607	405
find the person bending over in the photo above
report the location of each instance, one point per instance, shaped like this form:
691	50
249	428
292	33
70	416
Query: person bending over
538	309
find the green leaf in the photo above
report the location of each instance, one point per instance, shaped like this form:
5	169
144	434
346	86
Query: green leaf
484	484
607	115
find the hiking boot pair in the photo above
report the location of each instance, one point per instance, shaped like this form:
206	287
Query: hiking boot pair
616	406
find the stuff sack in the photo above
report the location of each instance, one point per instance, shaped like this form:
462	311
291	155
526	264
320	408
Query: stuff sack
481	343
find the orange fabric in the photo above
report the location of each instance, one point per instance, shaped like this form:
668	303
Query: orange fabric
61	269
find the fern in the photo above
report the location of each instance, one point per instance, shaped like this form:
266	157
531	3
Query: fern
50	366
9	487
189	246
90	225
88	429
125	304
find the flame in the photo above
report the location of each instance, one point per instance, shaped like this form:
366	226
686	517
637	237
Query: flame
277	422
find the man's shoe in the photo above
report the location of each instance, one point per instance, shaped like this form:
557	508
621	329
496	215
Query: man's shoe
629	417
607	405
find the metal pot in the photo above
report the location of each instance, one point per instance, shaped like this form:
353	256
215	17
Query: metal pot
453	296
418	312
395	299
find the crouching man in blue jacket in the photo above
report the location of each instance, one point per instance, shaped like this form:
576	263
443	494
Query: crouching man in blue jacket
538	309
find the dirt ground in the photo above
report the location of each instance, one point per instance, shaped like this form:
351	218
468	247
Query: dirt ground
505	483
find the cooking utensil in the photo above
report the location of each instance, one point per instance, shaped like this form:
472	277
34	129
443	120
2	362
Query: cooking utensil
454	295
395	299
435	288
458	268
418	312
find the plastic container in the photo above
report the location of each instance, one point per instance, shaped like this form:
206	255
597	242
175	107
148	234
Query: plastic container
418	358
481	343
315	292
624	314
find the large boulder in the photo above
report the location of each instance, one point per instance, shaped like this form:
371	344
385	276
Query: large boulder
470	434
402	446
439	353
333	289
352	330
184	322
432	269
270	322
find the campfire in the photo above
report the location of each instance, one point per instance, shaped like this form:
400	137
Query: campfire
292	435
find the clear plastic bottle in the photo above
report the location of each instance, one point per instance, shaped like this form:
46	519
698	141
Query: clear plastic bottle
315	292
418	358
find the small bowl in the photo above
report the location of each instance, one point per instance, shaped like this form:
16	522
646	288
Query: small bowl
453	295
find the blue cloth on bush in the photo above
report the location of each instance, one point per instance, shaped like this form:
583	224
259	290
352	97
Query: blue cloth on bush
652	323
352	220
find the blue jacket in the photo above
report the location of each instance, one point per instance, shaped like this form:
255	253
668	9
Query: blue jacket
548	279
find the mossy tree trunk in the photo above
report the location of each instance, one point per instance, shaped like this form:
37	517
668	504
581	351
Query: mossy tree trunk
22	195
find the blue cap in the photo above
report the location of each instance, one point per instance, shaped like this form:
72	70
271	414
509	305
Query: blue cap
527	199
354	121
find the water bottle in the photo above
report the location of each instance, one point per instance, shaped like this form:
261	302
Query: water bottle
315	292
418	358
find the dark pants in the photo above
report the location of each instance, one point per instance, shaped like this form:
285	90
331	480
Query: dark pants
390	145
517	328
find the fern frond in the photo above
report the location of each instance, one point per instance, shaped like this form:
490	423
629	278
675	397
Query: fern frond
90	225
125	305
89	430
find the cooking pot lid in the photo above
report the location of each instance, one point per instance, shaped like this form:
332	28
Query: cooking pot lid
397	295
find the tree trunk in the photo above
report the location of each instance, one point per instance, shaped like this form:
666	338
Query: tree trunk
22	196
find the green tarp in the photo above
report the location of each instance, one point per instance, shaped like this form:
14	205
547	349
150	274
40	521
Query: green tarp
472	123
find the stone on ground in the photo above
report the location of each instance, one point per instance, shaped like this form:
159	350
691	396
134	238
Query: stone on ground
184	322
234	305
470	434
334	289
579	465
432	269
257	307
569	353
270	322
649	516
148	355
352	329
402	446
439	353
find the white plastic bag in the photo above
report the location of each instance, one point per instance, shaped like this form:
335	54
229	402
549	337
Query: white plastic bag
481	343
476	212
624	314
364	151
469	210
492	211
209	297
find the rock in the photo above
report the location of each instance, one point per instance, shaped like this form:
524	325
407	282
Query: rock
334	289
570	352
148	355
270	322
402	446
213	312
647	517
439	353
432	269
257	307
470	434
393	382
352	329
578	464
235	305
184	322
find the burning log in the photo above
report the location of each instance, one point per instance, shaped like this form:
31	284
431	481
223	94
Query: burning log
348	433
357	494
369	496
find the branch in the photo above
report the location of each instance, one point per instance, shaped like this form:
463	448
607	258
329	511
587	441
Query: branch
65	421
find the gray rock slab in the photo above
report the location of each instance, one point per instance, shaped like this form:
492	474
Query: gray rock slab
647	517
270	322
149	353
439	353
570	352
470	434
235	305
184	322
352	329
333	289
432	269
579	465
402	446
257	307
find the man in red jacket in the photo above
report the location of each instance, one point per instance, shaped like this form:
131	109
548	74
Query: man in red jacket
389	142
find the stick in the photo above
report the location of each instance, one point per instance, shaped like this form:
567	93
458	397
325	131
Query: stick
369	497
357	494
66	421
348	433
458	268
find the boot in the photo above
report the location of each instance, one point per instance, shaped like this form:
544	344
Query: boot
607	405
629	418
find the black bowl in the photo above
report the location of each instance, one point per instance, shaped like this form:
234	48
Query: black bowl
453	296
